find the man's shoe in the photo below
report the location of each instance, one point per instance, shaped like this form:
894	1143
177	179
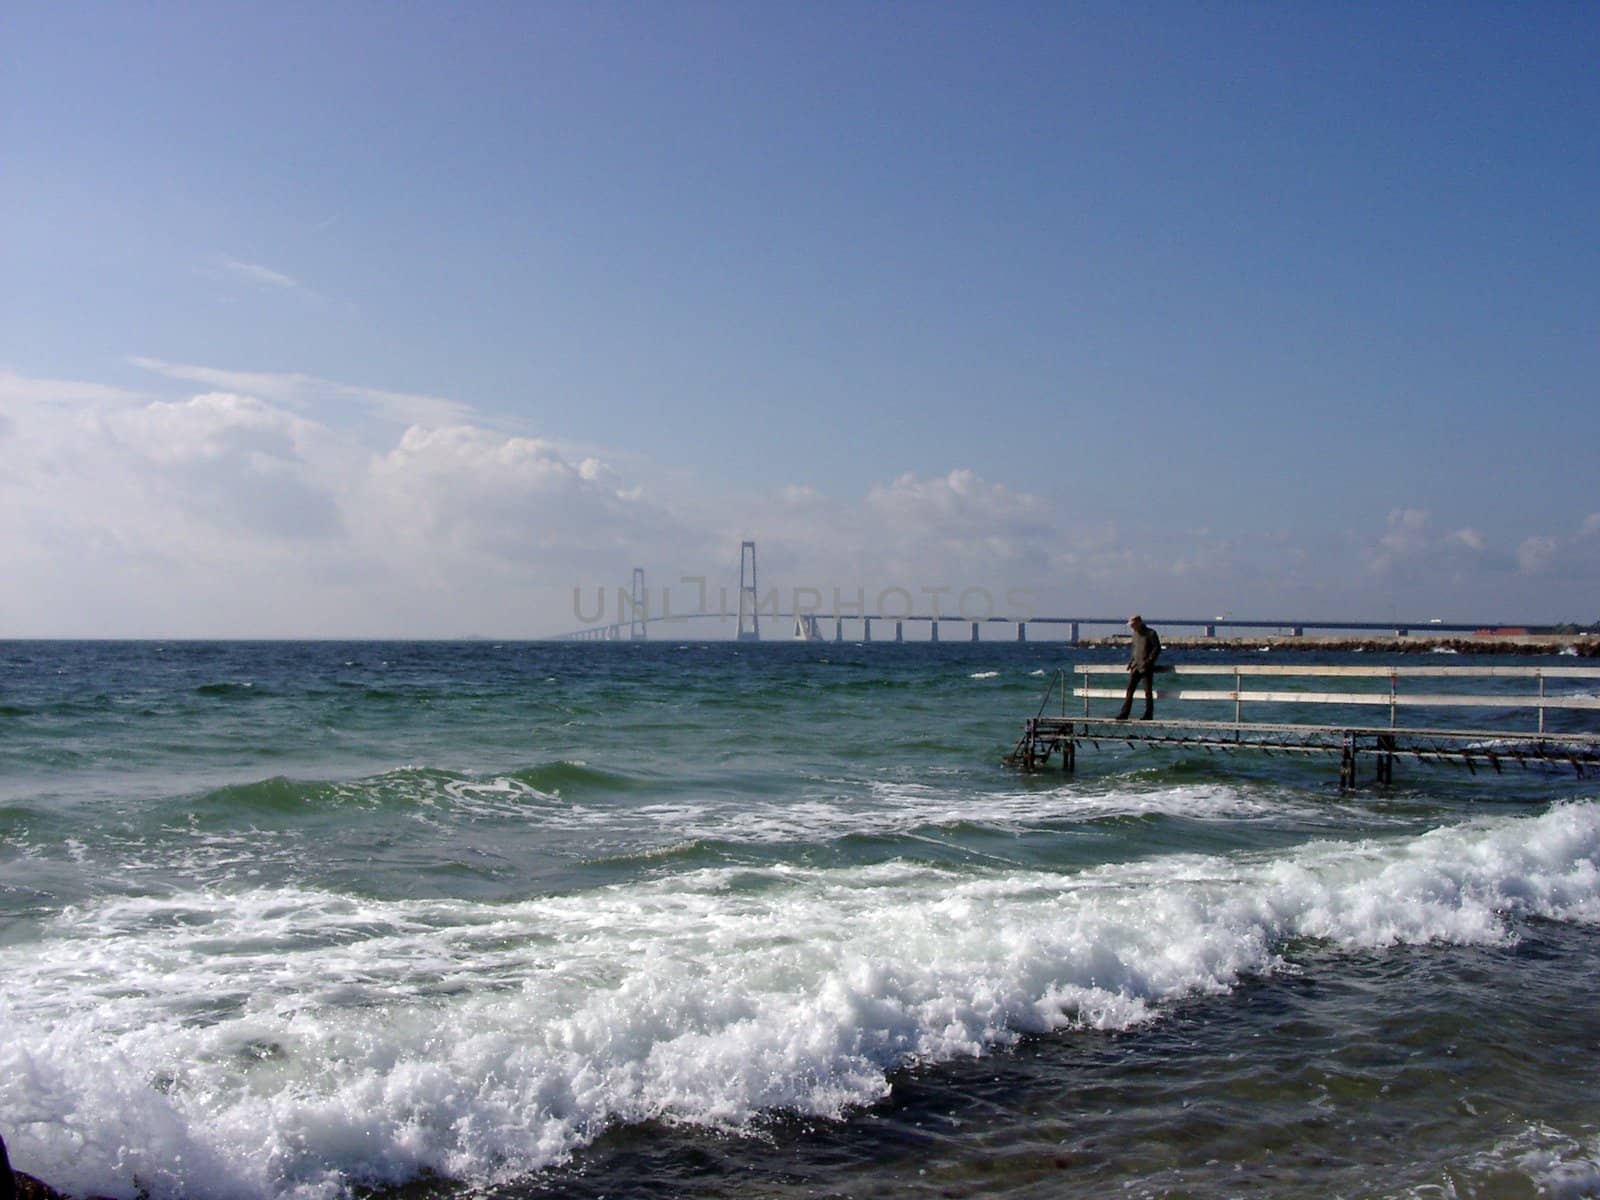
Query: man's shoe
1123	715
1148	716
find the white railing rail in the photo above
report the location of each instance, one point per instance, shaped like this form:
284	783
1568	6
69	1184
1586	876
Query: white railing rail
1395	695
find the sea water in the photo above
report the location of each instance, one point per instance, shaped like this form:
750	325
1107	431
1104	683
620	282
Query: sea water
684	919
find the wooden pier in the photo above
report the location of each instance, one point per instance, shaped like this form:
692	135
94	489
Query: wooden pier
1517	737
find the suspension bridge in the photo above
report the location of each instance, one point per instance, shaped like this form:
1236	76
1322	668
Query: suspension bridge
808	616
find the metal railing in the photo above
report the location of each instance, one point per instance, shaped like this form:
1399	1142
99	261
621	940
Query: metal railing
1388	687
1392	695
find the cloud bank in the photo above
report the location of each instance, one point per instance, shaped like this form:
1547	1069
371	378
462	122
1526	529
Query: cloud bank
227	503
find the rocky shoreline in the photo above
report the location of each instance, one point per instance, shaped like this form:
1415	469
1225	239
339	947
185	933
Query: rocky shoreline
19	1185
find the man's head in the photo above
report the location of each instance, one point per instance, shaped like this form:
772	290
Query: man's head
1136	622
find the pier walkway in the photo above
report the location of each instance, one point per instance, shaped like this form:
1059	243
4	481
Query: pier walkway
1514	699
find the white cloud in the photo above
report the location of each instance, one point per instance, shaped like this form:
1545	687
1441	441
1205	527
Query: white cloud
960	513
306	391
18	390
1407	532
801	494
228	512
259	383
1409	547
253	504
1536	553
256	273
212	426
513	497
231	461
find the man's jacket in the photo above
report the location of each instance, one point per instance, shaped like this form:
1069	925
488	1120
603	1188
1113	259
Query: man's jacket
1146	649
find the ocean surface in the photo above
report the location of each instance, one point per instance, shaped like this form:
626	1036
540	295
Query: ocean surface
530	920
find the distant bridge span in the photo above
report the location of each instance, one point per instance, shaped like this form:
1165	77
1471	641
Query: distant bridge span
634	618
827	626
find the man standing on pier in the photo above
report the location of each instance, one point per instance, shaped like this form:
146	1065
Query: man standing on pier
1141	665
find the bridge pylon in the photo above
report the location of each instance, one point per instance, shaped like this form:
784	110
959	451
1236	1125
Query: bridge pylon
638	607
749	598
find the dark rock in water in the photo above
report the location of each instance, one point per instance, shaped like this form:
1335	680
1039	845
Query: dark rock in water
18	1185
29	1188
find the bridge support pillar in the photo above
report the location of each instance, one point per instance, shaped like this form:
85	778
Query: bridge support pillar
749	597
974	631
638	607
1022	631
899	631
838	629
1072	632
866	629
933	626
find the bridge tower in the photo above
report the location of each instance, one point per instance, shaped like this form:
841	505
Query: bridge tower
638	608
749	598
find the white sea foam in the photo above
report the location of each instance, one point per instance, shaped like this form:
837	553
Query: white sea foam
1553	1164
984	675
902	809
890	808
932	805
282	1042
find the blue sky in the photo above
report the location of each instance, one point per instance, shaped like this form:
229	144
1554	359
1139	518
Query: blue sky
406	319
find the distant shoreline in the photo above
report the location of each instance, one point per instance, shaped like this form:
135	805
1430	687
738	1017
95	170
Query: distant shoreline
1551	643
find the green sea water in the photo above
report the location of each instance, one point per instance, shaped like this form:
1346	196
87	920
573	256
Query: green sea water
715	919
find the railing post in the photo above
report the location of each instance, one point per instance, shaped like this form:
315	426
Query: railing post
1541	701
